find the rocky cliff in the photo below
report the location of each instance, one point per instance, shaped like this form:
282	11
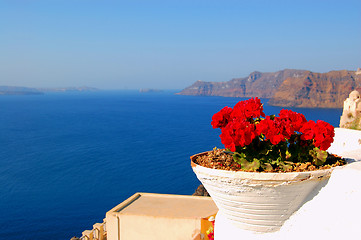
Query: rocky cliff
296	88
317	89
262	85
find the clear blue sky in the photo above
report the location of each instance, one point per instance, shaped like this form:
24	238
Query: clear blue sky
171	44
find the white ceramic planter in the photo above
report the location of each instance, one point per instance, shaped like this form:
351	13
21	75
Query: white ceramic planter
260	202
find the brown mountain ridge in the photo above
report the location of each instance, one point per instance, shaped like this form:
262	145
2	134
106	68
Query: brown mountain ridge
289	87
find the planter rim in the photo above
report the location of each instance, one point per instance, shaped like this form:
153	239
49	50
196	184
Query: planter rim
278	176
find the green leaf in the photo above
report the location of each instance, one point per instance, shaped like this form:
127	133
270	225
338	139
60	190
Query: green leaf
227	151
246	165
274	162
238	157
267	166
285	166
319	156
254	165
288	154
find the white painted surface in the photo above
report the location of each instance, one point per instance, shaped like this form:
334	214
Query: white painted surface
260	202
335	213
345	140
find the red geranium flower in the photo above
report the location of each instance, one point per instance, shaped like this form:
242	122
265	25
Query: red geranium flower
321	133
221	118
237	133
251	108
295	120
271	129
308	130
324	134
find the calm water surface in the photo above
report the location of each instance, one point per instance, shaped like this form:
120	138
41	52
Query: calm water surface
66	159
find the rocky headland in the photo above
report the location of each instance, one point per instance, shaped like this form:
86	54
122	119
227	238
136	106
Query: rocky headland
289	87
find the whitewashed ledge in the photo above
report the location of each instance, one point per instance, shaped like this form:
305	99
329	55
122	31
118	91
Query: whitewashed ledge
335	213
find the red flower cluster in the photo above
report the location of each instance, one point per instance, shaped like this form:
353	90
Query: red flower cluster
236	124
281	128
221	118
249	109
242	124
320	132
237	133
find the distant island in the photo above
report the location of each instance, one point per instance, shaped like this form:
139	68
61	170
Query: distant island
286	88
149	90
69	89
11	90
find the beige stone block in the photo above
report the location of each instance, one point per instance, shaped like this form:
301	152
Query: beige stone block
87	235
159	216
98	231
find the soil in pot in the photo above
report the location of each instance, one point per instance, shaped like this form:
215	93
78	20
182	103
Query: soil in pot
219	159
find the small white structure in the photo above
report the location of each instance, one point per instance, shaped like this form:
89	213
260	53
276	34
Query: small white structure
358	71
351	115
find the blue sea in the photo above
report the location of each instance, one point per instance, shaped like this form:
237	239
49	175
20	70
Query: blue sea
68	158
